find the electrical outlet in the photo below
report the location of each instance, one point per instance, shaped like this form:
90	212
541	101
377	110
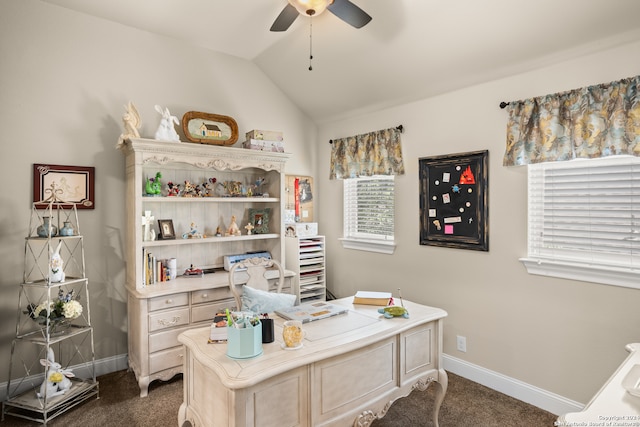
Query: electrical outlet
462	343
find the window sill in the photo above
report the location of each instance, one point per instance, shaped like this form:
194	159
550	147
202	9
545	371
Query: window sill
623	277
379	246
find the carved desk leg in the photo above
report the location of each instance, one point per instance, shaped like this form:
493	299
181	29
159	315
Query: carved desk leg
143	383
441	390
366	418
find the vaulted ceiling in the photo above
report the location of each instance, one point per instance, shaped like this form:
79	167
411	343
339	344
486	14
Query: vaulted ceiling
412	49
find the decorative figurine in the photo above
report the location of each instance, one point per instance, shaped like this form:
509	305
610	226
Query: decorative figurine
149	233
394	311
193	271
193	233
233	227
257	186
56	272
209	187
153	187
173	190
218	232
249	227
57	380
132	122
189	189
166	131
233	188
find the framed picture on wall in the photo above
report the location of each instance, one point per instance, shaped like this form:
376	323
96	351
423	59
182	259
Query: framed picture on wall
454	208
72	184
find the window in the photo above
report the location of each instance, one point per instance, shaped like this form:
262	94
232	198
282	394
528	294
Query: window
584	220
369	214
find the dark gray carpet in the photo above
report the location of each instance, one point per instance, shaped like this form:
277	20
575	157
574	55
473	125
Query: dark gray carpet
466	404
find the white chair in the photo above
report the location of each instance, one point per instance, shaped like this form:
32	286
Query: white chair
256	269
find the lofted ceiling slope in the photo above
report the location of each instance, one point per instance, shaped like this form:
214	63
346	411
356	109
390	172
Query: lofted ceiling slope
412	49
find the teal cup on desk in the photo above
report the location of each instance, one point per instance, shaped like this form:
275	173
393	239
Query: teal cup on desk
244	343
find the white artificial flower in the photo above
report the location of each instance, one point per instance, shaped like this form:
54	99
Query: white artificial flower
72	309
43	306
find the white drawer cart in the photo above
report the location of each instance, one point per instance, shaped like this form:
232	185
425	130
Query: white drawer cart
305	256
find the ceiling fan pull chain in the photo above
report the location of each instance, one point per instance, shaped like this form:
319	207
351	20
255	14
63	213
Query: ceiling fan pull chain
310	41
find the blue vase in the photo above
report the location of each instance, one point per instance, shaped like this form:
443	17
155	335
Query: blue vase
67	230
46	229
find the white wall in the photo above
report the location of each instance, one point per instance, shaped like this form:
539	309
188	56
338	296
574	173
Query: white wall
64	80
562	336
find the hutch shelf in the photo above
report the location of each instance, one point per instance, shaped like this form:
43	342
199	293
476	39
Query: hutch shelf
239	183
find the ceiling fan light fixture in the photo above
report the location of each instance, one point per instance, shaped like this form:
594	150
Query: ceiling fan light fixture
310	7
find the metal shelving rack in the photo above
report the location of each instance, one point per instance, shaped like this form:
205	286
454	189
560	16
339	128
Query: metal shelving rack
72	342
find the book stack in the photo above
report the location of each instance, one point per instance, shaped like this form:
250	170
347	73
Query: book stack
264	140
154	270
218	329
373	298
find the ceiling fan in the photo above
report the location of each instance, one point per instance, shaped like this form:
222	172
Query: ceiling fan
343	9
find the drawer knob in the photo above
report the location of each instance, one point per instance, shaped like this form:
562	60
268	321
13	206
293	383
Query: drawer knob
205	295
169	301
173	321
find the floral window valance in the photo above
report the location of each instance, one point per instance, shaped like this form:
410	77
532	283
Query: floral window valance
595	121
373	153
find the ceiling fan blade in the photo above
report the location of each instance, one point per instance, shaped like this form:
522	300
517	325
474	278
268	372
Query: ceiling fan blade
285	19
349	13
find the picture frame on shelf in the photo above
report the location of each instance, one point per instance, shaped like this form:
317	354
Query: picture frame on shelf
73	184
206	128
454	207
259	218
166	229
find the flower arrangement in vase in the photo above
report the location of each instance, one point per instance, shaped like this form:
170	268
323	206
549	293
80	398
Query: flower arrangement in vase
57	313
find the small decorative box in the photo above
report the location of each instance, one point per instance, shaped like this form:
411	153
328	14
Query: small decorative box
301	229
265	135
264	145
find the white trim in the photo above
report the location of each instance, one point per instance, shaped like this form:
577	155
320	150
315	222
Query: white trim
585	272
102	366
532	395
379	246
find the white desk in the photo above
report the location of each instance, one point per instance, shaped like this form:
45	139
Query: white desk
351	369
612	405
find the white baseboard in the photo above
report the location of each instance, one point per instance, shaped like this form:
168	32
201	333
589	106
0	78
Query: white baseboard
511	387
102	367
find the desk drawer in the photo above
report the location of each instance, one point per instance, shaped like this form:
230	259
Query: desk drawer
165	339
168	319
168	301
202	312
211	295
166	359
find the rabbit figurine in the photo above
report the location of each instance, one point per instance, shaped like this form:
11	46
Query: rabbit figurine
57	380
166	131
56	273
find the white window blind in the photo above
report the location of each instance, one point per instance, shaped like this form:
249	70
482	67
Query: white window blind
369	208
586	213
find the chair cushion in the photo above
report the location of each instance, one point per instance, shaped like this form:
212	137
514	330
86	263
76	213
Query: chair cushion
259	301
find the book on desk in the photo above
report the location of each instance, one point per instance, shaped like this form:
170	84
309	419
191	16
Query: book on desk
373	298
